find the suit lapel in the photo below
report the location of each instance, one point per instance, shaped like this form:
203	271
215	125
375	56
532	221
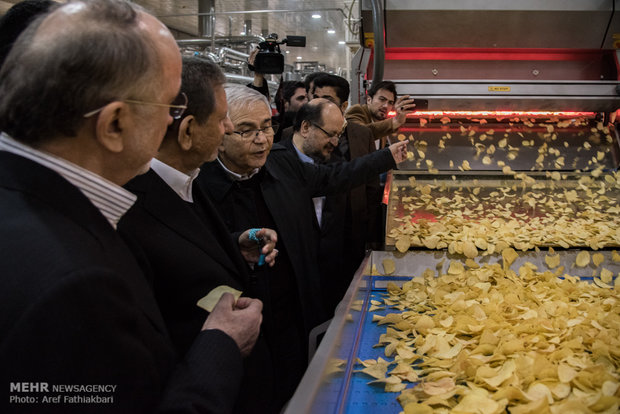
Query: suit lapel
221	232
166	206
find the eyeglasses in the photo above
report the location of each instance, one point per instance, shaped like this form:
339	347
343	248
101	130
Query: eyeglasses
177	107
337	135
253	133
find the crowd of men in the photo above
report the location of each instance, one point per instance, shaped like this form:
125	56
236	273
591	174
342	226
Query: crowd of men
133	182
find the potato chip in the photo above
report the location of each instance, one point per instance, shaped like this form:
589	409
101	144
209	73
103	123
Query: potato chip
471	264
606	276
583	258
209	301
424	324
552	261
388	266
476	403
469	249
540	406
333	366
438	387
566	373
415	408
402	244
597	259
496	376
455	268
509	255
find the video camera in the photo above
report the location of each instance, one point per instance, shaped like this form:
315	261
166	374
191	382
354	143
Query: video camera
269	59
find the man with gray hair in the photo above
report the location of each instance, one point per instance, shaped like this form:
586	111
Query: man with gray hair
255	185
86	95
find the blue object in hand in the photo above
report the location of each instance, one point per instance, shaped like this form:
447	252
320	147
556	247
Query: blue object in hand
252	236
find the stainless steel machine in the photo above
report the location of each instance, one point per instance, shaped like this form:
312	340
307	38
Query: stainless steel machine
518	149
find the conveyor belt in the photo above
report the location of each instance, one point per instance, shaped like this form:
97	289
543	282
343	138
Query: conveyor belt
352	333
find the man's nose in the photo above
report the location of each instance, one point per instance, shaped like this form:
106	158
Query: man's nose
228	126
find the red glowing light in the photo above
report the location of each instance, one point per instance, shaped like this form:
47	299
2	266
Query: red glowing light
495	114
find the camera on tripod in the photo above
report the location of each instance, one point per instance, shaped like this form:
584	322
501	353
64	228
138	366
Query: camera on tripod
269	59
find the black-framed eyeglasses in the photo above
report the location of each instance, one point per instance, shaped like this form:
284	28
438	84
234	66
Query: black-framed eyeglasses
253	133
177	107
337	135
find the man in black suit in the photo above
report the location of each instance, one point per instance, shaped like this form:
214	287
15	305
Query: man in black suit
187	244
351	221
256	185
86	95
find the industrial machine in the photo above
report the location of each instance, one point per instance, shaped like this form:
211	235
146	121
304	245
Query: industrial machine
517	150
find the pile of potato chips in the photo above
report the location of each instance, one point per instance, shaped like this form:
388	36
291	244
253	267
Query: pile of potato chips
483	216
474	219
484	339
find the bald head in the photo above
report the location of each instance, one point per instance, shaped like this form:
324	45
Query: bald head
313	112
78	58
317	129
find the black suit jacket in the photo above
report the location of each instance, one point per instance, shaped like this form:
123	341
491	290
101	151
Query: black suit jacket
191	254
350	219
76	309
288	187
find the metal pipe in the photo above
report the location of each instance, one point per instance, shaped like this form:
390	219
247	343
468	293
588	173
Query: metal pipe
379	29
221	39
228	52
212	29
253	11
205	25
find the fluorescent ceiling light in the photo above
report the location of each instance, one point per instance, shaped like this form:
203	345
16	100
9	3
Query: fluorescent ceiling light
331	31
316	16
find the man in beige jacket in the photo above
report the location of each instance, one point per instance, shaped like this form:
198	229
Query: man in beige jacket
380	101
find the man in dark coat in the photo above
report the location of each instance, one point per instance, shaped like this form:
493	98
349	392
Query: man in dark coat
81	115
188	246
352	220
253	184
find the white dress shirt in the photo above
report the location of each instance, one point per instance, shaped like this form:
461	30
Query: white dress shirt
111	200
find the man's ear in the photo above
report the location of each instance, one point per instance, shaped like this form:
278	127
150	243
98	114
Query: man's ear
344	106
304	128
368	100
184	137
112	125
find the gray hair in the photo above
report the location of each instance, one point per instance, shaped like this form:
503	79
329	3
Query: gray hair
241	97
52	76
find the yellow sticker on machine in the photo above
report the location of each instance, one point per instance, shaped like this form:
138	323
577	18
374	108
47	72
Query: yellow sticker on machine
499	88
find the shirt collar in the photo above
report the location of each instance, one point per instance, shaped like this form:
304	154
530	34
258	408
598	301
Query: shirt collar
303	157
238	177
111	200
180	182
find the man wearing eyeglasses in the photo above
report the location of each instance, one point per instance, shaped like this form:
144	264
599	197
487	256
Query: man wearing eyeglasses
257	183
188	246
350	221
81	114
